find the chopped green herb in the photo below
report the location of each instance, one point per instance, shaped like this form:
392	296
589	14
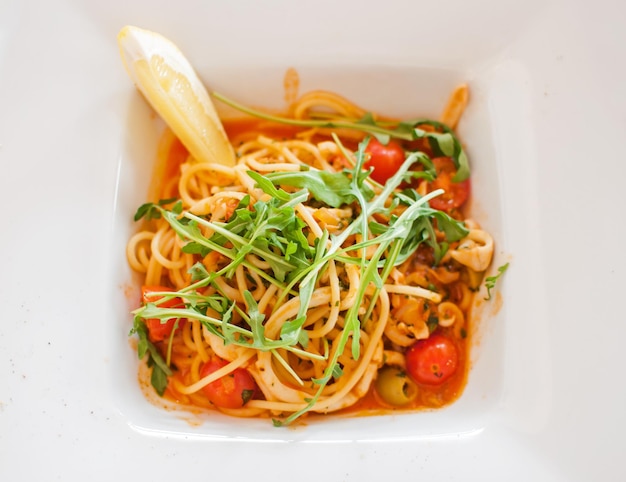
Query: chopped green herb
432	323
246	396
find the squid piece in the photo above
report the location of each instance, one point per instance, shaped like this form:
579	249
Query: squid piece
449	314
406	325
475	250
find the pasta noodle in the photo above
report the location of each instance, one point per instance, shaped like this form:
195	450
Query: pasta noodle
301	311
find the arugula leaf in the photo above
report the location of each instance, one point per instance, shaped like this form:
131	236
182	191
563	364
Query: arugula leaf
229	333
255	319
158	379
446	144
369	121
490	281
268	187
331	188
152	211
423	229
160	370
441	144
198	272
337	371
196	248
454	230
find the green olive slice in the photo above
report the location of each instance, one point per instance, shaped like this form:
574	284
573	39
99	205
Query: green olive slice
395	387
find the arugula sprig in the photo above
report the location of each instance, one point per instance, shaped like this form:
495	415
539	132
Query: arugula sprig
268	226
160	369
332	188
424	231
490	281
153	211
443	141
252	337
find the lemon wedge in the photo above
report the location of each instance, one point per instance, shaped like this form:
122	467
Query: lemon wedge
170	84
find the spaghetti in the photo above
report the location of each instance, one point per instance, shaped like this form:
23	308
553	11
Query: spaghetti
294	283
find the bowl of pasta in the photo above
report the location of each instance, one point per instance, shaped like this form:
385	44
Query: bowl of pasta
311	240
304	260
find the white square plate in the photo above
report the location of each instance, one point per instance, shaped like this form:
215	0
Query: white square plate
543	133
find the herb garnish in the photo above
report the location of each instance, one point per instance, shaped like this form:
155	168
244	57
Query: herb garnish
160	369
151	211
490	281
443	143
272	231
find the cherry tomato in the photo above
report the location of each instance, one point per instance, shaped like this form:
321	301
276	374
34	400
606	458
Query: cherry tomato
231	391
432	361
456	193
158	331
385	159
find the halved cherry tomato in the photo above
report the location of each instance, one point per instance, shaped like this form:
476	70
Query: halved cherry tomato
456	193
385	159
158	331
432	361
231	391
